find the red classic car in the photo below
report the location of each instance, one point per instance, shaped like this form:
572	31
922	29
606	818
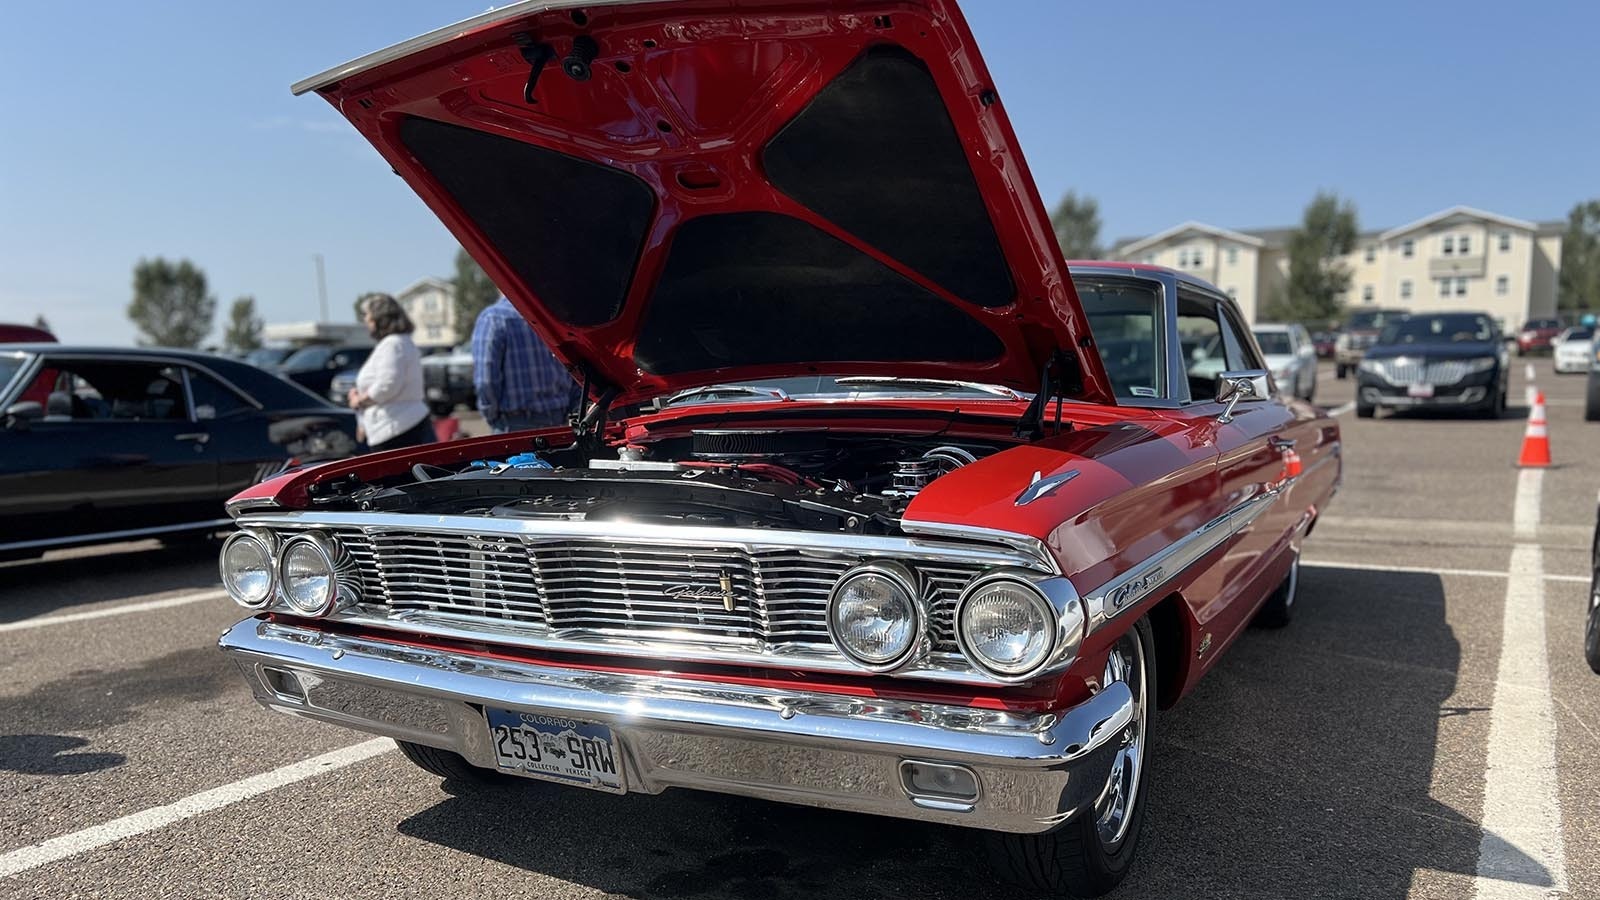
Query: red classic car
874	505
1538	335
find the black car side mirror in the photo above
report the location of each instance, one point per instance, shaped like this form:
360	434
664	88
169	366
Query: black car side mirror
19	416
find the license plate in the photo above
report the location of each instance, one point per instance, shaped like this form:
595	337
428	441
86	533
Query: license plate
555	748
1419	390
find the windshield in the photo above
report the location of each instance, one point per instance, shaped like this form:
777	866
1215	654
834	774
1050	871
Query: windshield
1450	328
308	358
1369	321
267	356
1574	334
1124	318
1535	324
1274	343
9	365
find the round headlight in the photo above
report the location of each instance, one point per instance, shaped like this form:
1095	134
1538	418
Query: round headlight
246	567
1005	626
306	571
875	615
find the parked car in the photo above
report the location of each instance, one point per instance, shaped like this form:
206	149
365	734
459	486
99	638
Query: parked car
1573	350
1591	402
17	334
1291	356
1450	360
1325	342
314	367
340	387
268	357
447	380
958	603
1591	641
108	444
1360	331
1538	335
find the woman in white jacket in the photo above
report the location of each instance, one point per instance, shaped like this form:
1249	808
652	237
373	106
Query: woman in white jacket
388	389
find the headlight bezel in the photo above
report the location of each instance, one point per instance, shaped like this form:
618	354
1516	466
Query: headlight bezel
328	553
909	582
269	545
1481	364
1062	611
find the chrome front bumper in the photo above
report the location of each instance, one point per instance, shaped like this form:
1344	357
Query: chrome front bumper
826	750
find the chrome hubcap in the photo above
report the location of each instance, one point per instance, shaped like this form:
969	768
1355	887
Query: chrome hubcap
1113	810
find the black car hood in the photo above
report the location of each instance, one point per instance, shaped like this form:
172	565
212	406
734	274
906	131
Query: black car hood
1442	350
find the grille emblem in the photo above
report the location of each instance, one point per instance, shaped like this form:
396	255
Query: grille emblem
723	591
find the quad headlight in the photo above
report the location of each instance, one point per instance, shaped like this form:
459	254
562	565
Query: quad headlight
309	574
1009	627
246	567
877	616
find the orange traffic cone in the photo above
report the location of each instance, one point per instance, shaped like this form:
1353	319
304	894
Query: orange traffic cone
1536	440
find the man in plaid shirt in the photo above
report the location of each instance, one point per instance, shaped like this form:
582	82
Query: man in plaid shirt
520	384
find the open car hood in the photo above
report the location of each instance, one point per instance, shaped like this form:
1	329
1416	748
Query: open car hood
685	192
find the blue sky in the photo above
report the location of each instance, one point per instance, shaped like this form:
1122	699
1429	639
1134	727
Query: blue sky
166	128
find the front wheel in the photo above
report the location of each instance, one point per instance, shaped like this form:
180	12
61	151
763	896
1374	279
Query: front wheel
1366	410
450	766
1339	370
1092	853
1591	641
1591	403
1279	608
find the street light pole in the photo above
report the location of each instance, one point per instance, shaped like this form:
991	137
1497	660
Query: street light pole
322	288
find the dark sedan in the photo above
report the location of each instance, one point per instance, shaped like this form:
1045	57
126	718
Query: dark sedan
109	444
314	367
1453	360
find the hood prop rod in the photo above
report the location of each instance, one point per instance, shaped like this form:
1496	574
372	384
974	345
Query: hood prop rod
1060	372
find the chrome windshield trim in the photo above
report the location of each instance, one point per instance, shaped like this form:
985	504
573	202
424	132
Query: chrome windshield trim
20	378
443	36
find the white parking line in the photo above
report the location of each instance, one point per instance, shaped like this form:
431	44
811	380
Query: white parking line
206	801
1521	853
1341	409
1431	570
1525	512
146	606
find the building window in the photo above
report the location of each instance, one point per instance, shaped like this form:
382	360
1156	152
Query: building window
1505	242
1233	256
1408	248
1465	245
1502	285
1448	244
1372	253
1183	258
1461	287
1198	261
1444	287
1405	289
1366	293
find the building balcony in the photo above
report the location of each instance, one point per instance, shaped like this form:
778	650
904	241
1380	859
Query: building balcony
1458	266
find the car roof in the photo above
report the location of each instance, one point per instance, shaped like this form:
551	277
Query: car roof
93	350
1113	267
1272	326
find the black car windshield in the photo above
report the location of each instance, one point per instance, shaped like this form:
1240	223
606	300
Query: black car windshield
1450	328
1534	324
1576	334
1274	343
1367	321
267	356
308	358
8	368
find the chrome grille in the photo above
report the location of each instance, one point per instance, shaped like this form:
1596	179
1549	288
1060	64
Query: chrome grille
1419	371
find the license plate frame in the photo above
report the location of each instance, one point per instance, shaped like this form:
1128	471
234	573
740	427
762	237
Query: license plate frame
1421	391
557	748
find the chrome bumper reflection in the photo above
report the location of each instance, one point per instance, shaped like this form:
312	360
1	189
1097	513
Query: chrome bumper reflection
824	750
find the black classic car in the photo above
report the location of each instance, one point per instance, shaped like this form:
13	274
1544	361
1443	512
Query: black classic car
315	367
1447	360
106	444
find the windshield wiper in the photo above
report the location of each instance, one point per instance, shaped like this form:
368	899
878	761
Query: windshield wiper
711	390
934	383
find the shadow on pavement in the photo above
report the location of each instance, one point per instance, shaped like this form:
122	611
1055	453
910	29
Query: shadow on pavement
92	575
48	754
1303	767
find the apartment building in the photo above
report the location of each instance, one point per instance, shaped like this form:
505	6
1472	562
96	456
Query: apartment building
1458	258
431	304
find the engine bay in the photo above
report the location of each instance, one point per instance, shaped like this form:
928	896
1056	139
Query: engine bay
811	479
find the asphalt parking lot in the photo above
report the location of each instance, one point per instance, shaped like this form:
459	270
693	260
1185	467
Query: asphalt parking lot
1399	739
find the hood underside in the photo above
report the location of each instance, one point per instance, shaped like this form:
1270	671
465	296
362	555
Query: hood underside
679	193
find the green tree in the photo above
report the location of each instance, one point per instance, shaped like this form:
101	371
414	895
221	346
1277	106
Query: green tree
40	323
1580	258
1318	276
171	306
1076	221
243	332
474	291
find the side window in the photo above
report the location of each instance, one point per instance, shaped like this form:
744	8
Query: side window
212	400
1200	342
1239	352
111	390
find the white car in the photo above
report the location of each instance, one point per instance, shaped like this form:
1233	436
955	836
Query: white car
1573	349
1291	356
